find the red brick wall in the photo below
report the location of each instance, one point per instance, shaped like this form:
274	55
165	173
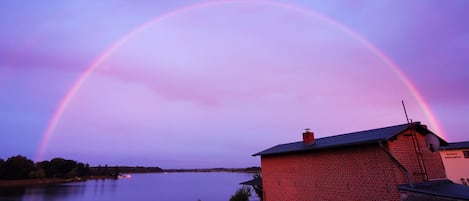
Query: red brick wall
355	173
403	149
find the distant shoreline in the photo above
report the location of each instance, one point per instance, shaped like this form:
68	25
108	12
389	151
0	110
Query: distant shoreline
239	170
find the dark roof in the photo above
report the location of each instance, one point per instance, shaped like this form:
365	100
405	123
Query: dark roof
442	188
456	145
253	182
349	139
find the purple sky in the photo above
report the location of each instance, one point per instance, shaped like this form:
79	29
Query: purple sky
210	85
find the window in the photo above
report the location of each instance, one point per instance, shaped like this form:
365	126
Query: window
466	154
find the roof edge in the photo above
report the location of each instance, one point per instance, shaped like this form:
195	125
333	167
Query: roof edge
321	148
456	145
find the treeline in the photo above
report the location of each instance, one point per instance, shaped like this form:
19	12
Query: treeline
136	169
247	170
20	167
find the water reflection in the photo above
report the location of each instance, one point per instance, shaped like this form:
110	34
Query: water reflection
103	186
142	187
54	192
11	194
45	192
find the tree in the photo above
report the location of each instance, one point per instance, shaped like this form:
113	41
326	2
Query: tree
61	168
258	188
37	174
116	171
17	167
45	167
20	167
242	194
2	162
82	169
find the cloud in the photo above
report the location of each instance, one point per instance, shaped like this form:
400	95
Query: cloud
199	84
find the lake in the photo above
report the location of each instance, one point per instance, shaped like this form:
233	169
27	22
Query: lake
213	186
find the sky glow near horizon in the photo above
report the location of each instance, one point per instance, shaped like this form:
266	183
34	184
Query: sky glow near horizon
211	85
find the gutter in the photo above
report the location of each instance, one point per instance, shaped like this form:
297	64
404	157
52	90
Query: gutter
398	164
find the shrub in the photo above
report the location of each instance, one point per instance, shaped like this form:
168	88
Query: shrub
242	194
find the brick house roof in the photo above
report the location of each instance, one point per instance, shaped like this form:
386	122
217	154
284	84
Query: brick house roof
348	139
456	145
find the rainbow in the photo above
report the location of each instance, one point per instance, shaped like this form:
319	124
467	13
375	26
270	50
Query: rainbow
108	52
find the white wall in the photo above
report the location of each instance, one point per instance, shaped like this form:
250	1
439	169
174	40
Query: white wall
456	165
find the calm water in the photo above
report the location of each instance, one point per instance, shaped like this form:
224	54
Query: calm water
141	187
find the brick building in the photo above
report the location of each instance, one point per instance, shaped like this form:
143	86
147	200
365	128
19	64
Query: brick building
376	164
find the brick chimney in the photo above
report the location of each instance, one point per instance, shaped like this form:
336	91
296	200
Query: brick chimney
308	137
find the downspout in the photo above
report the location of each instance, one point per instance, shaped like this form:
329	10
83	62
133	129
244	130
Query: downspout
401	167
